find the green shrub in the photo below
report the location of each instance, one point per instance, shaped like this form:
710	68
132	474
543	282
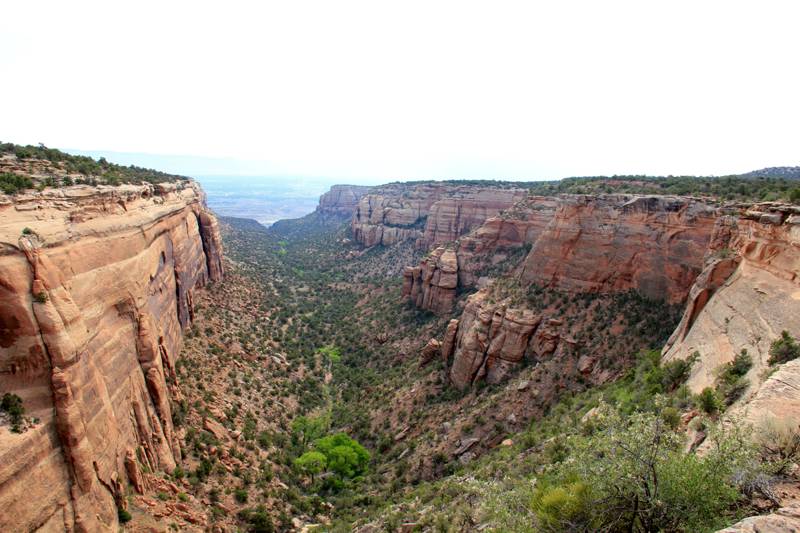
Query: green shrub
632	475
677	371
671	417
562	507
14	183
123	515
731	383
783	349
240	495
257	519
12	404
708	401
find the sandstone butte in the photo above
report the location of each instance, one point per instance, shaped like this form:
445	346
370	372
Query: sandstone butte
426	214
96	288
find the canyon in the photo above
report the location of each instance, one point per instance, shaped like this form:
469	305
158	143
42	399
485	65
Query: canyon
165	379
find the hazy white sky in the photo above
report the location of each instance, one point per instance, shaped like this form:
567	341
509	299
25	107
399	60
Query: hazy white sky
387	90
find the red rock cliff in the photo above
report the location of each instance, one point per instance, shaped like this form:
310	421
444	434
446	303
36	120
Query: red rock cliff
427	214
476	254
654	244
96	288
607	244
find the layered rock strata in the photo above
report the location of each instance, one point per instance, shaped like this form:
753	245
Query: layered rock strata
609	244
473	256
428	214
491	339
96	288
341	200
748	293
432	285
613	243
578	243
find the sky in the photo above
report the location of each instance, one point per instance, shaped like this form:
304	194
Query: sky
375	91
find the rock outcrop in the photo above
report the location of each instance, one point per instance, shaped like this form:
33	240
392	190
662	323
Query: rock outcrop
341	201
96	288
783	520
501	237
432	285
607	244
427	214
613	243
748	293
491	339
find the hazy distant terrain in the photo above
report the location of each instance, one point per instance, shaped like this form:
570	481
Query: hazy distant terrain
265	199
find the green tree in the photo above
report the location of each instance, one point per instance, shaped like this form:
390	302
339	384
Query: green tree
345	457
306	429
311	463
12	404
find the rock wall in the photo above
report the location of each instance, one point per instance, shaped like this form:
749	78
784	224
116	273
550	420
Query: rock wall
342	200
606	244
496	239
748	293
96	288
432	285
612	243
492	338
428	214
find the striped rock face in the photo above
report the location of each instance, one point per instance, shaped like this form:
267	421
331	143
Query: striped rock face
96	289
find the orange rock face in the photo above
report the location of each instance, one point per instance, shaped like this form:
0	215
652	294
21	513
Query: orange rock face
427	214
96	288
606	244
490	340
653	244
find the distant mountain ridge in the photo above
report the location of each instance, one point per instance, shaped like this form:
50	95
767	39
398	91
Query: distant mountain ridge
791	173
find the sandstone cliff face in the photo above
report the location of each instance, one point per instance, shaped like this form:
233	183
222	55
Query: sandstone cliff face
341	201
498	238
96	287
747	294
653	244
432	285
491	244
427	214
491	339
608	244
603	244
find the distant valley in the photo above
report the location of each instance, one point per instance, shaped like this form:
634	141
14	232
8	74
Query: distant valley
263	198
